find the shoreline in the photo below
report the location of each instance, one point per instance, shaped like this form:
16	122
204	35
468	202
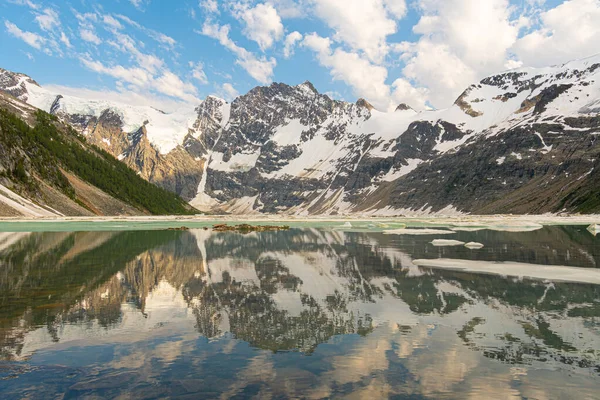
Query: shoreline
543	219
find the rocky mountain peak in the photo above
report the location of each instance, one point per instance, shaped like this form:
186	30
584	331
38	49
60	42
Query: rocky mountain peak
282	148
14	83
403	107
364	103
307	85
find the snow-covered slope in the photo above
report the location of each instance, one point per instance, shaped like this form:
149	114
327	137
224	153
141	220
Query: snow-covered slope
290	149
165	131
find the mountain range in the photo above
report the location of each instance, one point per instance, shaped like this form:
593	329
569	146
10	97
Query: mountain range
522	141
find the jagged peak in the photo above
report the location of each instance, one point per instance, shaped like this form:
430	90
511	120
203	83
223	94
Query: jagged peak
403	107
364	103
212	97
307	85
19	75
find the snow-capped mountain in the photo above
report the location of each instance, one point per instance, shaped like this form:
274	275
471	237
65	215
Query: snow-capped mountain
521	141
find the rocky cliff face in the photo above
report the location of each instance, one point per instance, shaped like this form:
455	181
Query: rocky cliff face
521	141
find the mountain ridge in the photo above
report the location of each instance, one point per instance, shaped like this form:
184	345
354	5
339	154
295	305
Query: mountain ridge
289	149
47	169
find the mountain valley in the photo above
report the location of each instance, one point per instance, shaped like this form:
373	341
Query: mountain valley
523	141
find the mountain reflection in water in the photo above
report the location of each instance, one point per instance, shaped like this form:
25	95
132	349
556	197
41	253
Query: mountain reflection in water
308	313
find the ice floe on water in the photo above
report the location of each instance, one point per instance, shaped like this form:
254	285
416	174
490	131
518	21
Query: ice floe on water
445	242
557	273
474	245
416	231
507	226
594	229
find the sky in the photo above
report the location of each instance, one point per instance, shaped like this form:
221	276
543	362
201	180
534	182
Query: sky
172	53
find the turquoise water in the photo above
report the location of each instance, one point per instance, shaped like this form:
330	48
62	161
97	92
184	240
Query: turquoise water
319	311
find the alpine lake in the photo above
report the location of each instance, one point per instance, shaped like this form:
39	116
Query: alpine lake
363	310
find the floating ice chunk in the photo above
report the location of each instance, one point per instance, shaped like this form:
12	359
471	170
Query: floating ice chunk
516	227
557	273
445	242
508	226
467	229
474	245
411	231
594	229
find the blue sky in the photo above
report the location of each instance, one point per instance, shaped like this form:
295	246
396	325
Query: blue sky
164	53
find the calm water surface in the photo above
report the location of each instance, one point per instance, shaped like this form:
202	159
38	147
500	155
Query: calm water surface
306	313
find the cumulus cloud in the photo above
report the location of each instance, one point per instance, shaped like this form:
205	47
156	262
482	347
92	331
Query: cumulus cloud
32	39
171	85
362	24
290	8
366	79
404	92
260	69
461	41
569	31
262	24
290	43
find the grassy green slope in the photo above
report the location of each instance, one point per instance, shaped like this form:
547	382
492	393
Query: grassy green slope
49	145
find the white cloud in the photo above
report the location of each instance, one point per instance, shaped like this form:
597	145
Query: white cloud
32	39
396	7
262	24
65	40
89	36
334	95
27	3
405	92
198	72
479	32
139	4
210	6
86	19
127	44
165	82
461	42
290	43
48	19
290	8
136	76
366	79
228	92
112	22
362	24
569	31
260	69
436	67
512	64
160	37
171	85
